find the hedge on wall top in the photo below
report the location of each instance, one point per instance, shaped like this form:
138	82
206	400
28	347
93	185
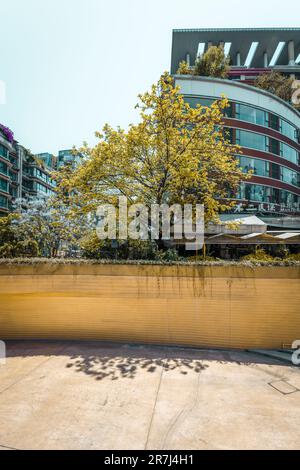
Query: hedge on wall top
38	261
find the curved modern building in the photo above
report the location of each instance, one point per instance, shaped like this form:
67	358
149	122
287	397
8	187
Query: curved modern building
268	130
21	175
266	127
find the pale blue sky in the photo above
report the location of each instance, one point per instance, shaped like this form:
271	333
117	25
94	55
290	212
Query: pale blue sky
72	65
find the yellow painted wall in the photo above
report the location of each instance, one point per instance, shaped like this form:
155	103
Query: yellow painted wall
226	307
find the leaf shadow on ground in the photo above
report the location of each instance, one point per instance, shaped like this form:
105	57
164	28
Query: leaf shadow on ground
115	368
113	361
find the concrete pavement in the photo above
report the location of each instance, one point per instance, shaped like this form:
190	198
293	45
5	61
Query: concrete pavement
106	396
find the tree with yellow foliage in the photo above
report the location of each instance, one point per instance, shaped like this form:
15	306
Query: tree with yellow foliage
175	154
213	63
185	69
276	83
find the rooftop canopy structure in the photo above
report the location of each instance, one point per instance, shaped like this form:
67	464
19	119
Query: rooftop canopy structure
260	49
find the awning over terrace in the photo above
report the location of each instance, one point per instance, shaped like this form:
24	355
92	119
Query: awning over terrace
268	238
235	229
232	224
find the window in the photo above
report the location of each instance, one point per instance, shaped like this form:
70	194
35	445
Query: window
13	160
3	202
3	151
13	191
250	114
274	146
3	185
275	171
288	130
13	176
27	185
229	134
289	153
255	192
286	198
274	122
191	100
289	176
40	188
3	168
274	195
259	167
43	189
251	140
230	110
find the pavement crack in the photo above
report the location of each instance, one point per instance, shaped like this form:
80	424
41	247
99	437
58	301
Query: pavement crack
7	447
154	407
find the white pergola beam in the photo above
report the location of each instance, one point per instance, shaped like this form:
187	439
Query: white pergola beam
251	54
227	48
277	54
201	49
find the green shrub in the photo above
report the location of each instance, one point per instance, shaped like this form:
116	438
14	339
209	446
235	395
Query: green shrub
213	63
170	255
183	262
26	249
94	248
258	255
277	84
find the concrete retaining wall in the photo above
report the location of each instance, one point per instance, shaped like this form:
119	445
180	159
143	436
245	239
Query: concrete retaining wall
217	307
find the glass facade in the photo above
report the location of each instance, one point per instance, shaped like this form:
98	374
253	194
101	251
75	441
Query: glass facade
257	166
35	178
251	140
248	113
4	152
68	157
288	130
3	202
48	159
3	168
13	191
13	176
262	166
289	176
38	180
27	185
273	146
264	143
289	153
14	160
3	185
41	175
194	101
273	121
40	188
268	195
35	181
270	170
